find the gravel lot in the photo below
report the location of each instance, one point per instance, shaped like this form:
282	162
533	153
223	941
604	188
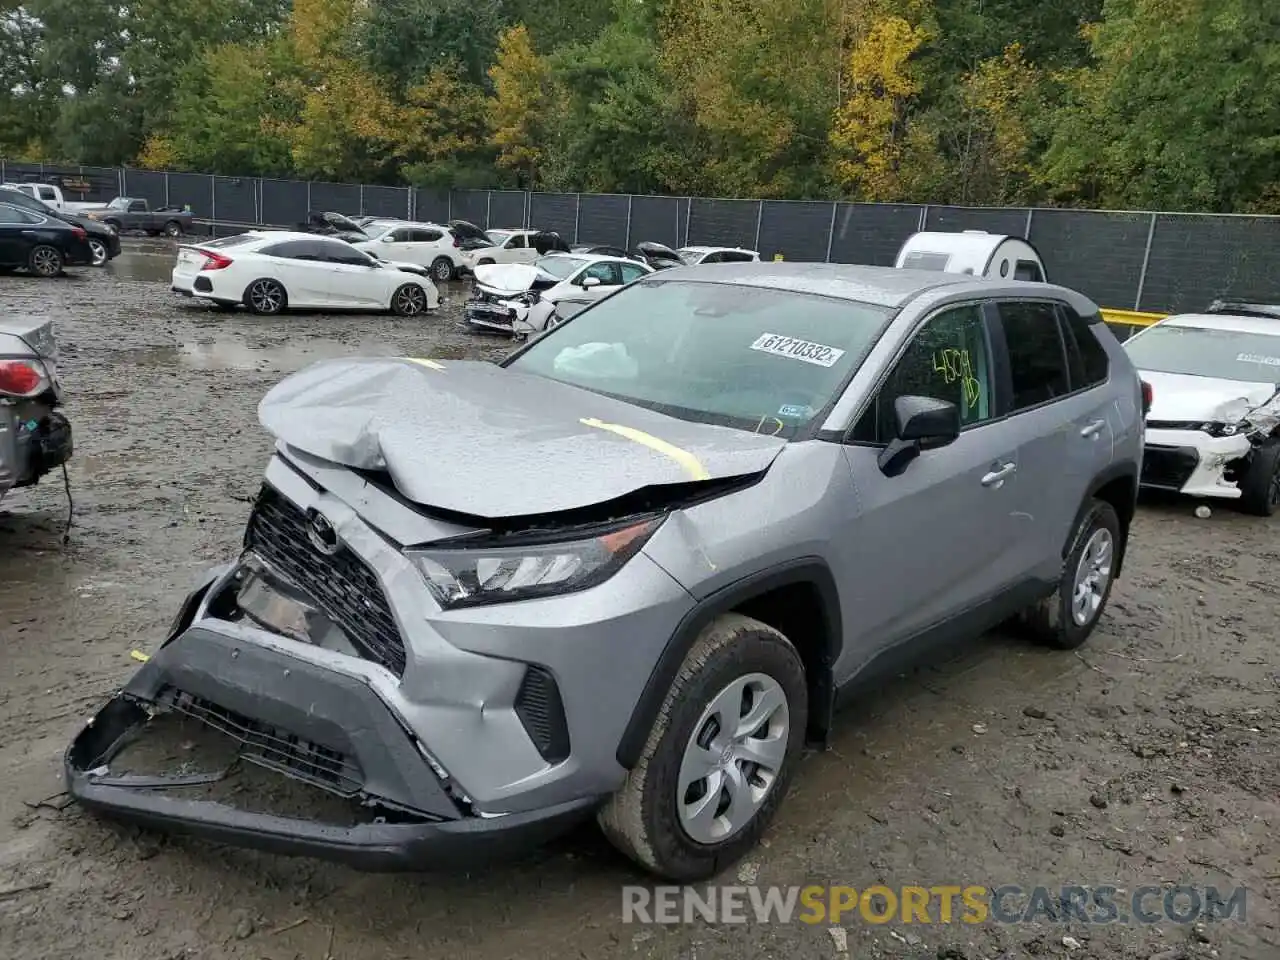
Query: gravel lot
1153	757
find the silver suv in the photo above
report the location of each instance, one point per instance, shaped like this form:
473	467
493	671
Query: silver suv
629	571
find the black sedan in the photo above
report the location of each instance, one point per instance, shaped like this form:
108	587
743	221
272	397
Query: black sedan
40	243
104	241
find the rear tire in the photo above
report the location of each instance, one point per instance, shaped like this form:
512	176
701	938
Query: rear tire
45	260
1066	618
1260	486
409	300
737	668
442	269
265	297
173	229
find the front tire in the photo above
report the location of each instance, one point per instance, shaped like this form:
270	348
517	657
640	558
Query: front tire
442	270
409	300
1260	486
99	251
45	260
486	262
265	297
720	756
1066	618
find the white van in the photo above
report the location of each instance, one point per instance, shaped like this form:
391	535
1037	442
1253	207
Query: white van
973	252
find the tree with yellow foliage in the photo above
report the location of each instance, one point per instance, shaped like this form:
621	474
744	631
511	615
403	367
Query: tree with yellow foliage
519	105
877	148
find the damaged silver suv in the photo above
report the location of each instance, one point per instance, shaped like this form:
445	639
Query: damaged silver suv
628	572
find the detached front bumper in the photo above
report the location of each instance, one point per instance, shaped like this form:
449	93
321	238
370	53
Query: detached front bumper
490	317
321	730
1192	463
33	441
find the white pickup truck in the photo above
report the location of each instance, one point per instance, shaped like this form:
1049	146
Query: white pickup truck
51	195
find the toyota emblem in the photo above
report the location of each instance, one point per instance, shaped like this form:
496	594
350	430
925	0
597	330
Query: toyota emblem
322	535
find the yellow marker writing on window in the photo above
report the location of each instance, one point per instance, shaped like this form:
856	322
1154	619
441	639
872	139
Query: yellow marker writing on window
954	364
686	459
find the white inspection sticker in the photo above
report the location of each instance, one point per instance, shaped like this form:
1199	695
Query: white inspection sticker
1258	358
809	352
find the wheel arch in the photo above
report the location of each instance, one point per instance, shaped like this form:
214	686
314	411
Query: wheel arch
798	598
1117	485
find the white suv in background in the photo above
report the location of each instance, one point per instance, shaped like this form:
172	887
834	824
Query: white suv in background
425	244
696	255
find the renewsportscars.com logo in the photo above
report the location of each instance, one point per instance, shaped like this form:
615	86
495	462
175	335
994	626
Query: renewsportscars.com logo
941	904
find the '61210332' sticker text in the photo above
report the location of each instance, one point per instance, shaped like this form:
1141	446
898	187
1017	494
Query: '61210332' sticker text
815	353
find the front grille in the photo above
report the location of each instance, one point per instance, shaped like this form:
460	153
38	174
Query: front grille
541	711
1168	468
270	747
341	585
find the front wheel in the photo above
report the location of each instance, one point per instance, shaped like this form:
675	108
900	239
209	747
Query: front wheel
265	297
1260	486
486	262
442	269
45	261
409	300
1066	618
719	757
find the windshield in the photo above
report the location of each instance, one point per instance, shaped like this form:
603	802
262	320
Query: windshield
498	237
688	255
560	267
119	203
762	360
1204	352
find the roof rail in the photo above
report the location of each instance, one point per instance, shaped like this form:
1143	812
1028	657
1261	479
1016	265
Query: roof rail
1243	308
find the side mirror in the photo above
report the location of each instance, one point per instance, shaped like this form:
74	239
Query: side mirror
589	282
922	423
388	239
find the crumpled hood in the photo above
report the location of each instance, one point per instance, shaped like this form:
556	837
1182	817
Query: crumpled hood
1179	397
508	278
477	439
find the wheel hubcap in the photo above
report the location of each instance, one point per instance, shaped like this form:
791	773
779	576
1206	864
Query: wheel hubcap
46	261
733	758
443	270
98	250
412	300
265	297
1093	574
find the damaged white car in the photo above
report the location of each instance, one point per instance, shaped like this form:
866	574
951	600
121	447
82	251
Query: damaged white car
516	299
1213	429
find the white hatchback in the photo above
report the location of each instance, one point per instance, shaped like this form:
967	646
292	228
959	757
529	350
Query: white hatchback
270	271
426	244
1213	429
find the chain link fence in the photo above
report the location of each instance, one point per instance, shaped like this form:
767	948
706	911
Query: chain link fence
1154	262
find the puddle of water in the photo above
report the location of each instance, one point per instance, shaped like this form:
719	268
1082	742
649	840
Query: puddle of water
143	265
234	353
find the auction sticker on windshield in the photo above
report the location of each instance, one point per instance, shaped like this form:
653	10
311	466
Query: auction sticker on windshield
1258	358
806	350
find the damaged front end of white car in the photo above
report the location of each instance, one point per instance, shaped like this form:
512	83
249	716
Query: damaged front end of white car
507	299
1206	446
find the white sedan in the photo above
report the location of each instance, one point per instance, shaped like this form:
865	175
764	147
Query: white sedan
270	271
697	255
519	298
509	246
426	244
1213	429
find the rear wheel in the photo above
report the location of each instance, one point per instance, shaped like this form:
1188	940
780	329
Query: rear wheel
1260	486
409	300
1066	618
719	757
442	269
44	260
173	229
265	297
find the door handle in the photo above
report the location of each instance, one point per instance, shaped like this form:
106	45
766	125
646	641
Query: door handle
1093	429
1000	475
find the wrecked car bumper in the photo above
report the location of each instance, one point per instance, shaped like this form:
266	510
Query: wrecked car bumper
1192	463
34	439
324	731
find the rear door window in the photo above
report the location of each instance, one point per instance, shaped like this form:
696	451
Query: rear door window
1037	355
46	193
1028	270
427	236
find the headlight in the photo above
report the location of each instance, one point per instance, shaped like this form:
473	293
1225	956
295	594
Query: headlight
471	571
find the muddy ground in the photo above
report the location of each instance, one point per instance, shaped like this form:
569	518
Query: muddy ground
1153	757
